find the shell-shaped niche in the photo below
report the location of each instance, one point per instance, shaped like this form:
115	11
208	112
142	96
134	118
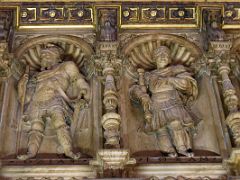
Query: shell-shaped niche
29	53
139	51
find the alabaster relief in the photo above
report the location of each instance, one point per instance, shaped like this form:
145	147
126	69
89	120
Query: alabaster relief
53	100
45	99
168	99
170	88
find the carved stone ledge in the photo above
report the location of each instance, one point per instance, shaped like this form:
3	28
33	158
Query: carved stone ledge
176	170
112	159
48	171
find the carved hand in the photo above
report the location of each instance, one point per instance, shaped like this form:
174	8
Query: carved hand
85	94
146	103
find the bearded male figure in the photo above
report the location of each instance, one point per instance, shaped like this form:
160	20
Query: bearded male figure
164	108
48	96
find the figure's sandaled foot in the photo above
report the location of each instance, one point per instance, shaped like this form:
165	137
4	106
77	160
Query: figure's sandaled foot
73	155
173	154
186	153
190	154
25	156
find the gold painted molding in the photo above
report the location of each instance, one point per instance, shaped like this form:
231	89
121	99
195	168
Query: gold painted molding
107	1
154	26
56	26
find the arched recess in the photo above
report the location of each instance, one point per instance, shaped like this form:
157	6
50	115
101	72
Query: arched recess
29	52
85	137
138	54
139	50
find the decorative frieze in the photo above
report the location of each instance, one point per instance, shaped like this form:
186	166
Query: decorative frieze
158	15
80	15
231	15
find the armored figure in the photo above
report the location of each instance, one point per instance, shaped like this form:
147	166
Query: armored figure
48	95
163	93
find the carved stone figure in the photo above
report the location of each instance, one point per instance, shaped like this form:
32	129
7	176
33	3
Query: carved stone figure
48	97
108	26
166	115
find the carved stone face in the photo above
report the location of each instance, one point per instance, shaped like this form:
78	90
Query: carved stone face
162	60
49	57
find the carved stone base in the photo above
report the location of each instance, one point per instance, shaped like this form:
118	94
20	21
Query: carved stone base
112	159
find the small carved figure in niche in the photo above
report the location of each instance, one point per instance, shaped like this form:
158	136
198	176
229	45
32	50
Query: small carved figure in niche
162	94
108	27
48	96
212	30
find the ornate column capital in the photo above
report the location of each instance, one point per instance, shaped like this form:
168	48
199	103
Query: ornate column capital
221	46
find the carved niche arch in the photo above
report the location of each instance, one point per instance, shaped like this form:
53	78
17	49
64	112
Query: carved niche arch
139	50
29	52
77	50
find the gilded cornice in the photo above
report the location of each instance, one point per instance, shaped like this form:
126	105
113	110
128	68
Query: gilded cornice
142	14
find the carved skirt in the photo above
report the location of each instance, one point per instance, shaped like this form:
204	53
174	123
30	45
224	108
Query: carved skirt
168	111
41	110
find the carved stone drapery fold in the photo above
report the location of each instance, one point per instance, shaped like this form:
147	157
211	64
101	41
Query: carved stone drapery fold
5	61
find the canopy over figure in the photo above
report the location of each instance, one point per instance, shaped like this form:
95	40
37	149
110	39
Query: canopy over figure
48	96
166	115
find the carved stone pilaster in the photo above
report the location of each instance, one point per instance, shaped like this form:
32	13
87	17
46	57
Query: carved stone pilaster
223	57
231	100
229	93
108	65
110	120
